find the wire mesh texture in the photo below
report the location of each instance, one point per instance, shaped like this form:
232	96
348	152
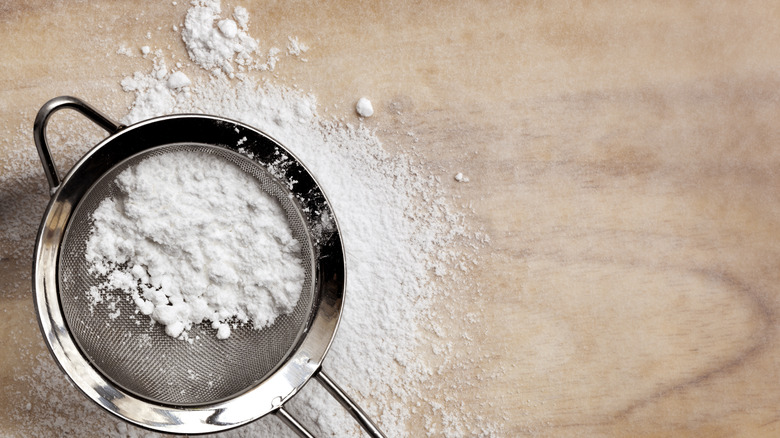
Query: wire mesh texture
138	356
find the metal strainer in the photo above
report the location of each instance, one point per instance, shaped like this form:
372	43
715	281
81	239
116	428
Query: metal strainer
132	368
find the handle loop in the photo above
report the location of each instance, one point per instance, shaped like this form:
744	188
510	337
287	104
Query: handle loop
42	119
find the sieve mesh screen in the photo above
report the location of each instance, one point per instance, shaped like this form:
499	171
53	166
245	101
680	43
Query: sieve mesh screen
138	356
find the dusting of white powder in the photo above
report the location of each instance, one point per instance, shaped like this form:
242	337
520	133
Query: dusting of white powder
124	51
242	17
296	48
193	238
399	232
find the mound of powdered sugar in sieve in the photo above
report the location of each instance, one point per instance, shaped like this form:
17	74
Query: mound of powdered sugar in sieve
193	238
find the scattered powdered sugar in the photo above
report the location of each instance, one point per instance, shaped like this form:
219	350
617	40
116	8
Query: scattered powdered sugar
296	48
217	47
396	230
193	238
242	17
124	51
402	239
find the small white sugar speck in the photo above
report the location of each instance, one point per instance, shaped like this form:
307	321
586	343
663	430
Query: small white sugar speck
364	107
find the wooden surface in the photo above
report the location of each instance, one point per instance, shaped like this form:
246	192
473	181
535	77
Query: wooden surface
623	158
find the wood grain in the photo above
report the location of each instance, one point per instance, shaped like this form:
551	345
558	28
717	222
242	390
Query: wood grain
623	158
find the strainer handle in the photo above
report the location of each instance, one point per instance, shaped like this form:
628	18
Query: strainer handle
349	405
42	119
292	423
342	398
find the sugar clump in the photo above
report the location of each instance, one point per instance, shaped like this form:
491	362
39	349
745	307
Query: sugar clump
364	107
228	28
178	80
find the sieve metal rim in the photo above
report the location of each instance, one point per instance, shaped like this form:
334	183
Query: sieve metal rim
123	142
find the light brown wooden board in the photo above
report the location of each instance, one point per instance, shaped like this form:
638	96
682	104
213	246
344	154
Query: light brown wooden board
623	157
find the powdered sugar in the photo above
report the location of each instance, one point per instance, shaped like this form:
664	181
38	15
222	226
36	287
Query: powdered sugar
178	80
217	47
395	230
193	238
229	28
399	232
242	17
296	48
364	107
460	177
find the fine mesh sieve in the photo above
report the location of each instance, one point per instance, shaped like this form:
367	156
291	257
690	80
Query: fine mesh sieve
140	357
130	366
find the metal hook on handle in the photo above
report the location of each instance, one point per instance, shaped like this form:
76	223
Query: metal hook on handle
42	119
343	399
